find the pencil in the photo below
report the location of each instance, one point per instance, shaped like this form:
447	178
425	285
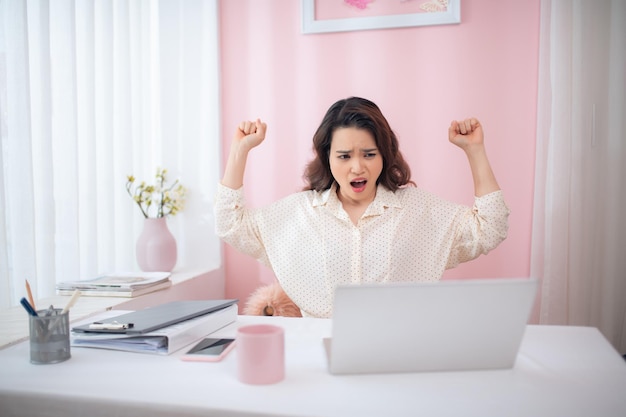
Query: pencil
31	300
72	301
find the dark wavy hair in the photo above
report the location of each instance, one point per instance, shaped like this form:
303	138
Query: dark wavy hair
358	113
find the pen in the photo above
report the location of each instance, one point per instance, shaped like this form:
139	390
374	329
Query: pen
28	307
72	301
30	296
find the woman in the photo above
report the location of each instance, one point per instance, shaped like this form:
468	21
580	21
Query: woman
360	219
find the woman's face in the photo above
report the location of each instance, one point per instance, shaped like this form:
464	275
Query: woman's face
355	164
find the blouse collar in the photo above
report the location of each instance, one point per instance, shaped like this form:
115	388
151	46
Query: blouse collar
385	198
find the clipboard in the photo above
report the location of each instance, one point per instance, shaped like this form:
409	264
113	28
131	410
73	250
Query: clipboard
153	318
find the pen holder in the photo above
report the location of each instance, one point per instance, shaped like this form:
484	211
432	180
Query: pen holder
49	336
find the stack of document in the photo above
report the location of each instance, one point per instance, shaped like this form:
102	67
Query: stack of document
118	284
160	330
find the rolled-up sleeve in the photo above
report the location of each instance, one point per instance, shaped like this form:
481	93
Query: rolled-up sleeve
480	229
234	223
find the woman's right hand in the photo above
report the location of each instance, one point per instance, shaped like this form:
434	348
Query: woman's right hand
247	136
250	134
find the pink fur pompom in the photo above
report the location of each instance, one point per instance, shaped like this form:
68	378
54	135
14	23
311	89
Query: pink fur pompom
271	300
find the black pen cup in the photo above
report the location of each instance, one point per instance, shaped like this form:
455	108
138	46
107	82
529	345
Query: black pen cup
49	336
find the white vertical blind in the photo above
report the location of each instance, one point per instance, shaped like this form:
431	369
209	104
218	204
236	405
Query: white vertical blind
90	92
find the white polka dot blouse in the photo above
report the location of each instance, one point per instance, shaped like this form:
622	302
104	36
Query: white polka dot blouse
312	245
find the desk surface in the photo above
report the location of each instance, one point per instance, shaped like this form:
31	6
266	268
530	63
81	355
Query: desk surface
560	371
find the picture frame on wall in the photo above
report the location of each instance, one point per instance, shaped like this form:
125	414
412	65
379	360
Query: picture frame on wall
323	16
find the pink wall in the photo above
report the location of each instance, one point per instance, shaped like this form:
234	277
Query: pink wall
421	77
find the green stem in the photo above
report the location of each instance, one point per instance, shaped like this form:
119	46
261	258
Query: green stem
128	184
160	214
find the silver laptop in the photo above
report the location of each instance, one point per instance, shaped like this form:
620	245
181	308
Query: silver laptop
425	327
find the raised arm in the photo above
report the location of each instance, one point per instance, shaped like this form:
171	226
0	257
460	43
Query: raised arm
468	135
247	136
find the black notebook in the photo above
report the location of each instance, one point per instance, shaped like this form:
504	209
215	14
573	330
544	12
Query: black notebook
157	317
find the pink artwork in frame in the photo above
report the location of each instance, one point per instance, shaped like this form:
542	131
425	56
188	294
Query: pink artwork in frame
320	16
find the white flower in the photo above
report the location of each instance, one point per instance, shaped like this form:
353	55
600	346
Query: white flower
166	200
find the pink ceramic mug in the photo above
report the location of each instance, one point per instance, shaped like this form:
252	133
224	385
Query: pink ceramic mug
260	354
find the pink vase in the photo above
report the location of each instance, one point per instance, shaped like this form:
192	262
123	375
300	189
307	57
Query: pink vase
156	247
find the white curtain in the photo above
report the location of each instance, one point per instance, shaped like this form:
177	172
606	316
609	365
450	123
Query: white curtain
90	92
579	232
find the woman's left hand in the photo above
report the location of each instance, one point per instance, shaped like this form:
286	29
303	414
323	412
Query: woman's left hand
466	133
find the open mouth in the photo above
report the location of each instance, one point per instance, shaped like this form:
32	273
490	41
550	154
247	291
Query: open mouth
358	185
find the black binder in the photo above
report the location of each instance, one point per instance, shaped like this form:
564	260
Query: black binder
157	317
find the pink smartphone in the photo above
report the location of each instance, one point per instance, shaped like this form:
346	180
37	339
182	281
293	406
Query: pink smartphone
209	350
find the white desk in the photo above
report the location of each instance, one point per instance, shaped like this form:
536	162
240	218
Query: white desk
560	371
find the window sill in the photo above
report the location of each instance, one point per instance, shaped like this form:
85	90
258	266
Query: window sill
186	285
